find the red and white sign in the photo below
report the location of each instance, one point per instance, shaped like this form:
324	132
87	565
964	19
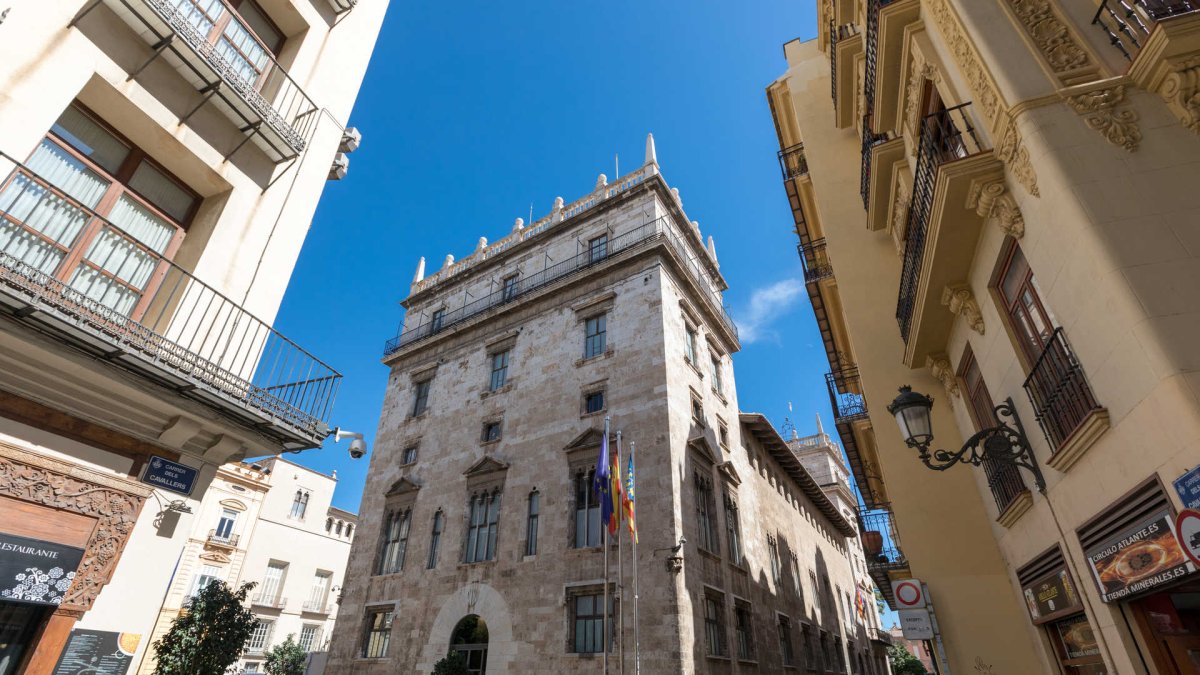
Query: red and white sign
1187	531
908	594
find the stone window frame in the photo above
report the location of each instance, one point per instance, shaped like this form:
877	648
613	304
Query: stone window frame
589	308
369	630
743	605
596	589
723	433
585	468
413	444
714	617
696	408
533	514
787	647
437	528
492	422
597	387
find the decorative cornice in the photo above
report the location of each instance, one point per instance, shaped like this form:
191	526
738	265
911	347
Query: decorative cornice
986	95
1053	39
961	301
1099	110
993	202
939	365
39	480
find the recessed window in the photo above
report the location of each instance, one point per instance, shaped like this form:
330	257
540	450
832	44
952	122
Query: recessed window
491	432
690	345
743	624
377	633
499	370
697	410
421	397
723	435
394	546
598	248
435	539
531	523
733	529
593	402
483	519
704	513
595	334
260	639
436	321
718	384
409	456
310	637
587	623
509	289
299	504
785	640
773	554
587	510
714	624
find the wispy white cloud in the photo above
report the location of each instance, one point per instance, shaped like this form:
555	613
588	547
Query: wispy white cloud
767	304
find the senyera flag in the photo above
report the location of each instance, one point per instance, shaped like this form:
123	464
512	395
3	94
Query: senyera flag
629	496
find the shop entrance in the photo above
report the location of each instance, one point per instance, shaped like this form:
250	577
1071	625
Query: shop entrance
19	623
1170	622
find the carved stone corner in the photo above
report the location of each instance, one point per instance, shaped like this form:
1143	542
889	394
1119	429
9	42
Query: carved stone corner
899	216
994	203
939	365
961	301
1015	155
1102	110
1181	91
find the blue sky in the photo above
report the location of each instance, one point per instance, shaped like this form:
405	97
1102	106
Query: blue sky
471	111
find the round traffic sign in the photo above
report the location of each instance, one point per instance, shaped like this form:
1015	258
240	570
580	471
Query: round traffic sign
1187	531
908	594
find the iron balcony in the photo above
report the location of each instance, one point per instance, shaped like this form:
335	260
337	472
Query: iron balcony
1128	23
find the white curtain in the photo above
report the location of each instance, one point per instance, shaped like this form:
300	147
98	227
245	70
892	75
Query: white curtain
252	58
23	199
201	13
122	258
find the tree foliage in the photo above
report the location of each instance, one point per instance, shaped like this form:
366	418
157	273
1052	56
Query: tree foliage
454	664
208	635
903	662
287	658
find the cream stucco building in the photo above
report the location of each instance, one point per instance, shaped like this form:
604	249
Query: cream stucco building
480	532
996	201
162	163
271	523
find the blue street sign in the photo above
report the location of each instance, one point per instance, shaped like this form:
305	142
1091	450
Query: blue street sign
1188	487
169	475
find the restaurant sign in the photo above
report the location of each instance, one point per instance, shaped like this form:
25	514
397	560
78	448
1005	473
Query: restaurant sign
1139	559
1051	596
35	571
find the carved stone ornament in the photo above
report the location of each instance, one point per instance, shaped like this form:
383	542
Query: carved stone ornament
986	96
939	365
1181	91
900	216
1051	35
1099	109
961	301
29	478
921	72
994	203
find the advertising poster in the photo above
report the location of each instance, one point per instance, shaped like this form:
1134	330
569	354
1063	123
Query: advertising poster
1143	557
1050	596
36	571
97	652
1077	637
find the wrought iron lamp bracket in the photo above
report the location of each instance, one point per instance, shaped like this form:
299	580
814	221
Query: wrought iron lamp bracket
1005	443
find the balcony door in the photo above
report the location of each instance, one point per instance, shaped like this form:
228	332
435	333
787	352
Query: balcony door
1031	318
240	33
224	530
272	583
93	212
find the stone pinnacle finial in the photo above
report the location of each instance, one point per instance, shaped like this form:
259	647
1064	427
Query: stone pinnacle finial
481	245
448	261
601	181
518	224
558	204
420	270
712	249
651	156
820	428
675	191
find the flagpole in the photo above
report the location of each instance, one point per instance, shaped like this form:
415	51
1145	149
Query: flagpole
620	573
637	640
604	542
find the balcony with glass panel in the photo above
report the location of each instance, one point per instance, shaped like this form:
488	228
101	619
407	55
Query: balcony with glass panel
228	54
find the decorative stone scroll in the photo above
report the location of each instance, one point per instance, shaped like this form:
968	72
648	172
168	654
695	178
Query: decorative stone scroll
1052	38
1099	109
1181	91
939	365
920	73
31	478
900	216
961	301
986	95
994	203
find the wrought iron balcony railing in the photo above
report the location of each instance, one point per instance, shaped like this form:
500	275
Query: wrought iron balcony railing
792	162
317	606
145	313
226	540
1005	482
1058	391
220	54
845	395
946	136
816	260
640	237
269	600
870	139
836	35
881	540
1127	23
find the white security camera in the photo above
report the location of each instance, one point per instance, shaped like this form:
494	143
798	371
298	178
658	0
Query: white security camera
358	447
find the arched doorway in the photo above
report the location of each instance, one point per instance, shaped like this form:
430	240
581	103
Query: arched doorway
470	638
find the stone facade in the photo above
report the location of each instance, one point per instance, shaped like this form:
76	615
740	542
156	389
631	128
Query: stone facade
656	281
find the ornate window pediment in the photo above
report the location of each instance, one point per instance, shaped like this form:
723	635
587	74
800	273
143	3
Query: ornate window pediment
403	486
485	466
729	473
703	448
592	438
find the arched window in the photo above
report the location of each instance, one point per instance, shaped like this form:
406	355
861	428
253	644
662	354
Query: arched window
299	504
328	524
339	528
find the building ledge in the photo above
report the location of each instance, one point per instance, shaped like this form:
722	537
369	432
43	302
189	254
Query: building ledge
1015	509
1080	440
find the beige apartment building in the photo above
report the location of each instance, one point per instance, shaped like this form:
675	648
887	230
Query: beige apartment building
271	523
996	203
162	160
480	532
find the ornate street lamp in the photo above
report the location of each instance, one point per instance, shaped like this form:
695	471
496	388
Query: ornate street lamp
1005	443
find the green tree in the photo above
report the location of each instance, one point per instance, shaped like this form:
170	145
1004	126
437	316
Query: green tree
208	635
454	664
904	663
287	658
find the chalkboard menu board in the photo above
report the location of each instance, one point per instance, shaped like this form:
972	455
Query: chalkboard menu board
97	652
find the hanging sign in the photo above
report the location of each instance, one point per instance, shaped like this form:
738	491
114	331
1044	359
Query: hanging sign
909	594
1051	596
916	624
1142	557
1188	487
35	571
170	475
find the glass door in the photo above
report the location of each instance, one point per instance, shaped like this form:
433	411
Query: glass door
18	623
